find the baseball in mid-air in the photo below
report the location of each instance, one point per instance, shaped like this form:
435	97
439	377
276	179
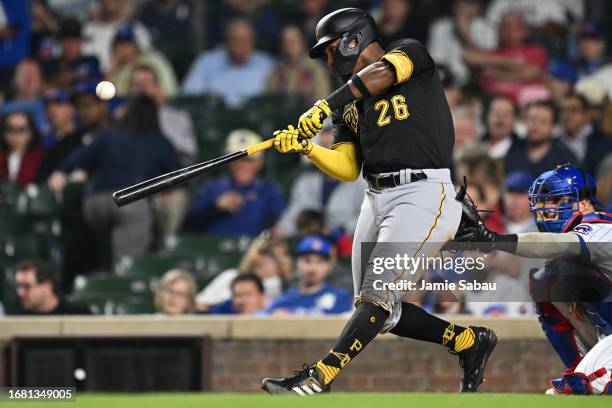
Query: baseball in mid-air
105	90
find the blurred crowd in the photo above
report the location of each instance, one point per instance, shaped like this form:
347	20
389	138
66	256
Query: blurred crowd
529	83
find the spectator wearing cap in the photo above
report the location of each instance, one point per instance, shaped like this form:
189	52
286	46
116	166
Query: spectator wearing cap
248	297
591	50
560	79
235	71
100	31
500	121
71	66
465	29
126	55
132	152
61	116
28	88
14	36
312	295
539	152
91	114
516	68
518	218
296	74
36	284
20	150
241	204
339	203
582	137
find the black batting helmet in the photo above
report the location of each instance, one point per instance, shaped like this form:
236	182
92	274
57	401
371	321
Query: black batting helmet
347	24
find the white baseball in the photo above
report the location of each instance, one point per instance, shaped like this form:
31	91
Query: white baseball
105	90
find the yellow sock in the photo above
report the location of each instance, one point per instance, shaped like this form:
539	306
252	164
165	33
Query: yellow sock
464	340
326	372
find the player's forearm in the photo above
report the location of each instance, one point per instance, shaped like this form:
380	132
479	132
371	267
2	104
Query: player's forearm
340	163
547	245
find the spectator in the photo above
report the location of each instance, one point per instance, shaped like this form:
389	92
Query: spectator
15	29
175	294
118	157
515	68
100	31
539	152
402	19
268	259
452	90
604	183
296	73
44	24
241	204
560	79
61	116
339	203
312	295
72	67
449	36
466	126
182	18
584	139
538	12
592	50
20	149
516	203
235	71
36	289
28	86
175	123
500	127
308	15
93	117
263	16
126	55
248	297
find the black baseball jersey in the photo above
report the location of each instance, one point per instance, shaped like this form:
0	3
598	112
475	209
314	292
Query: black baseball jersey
408	127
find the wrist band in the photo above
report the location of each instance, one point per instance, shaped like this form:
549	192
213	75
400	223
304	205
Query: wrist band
340	97
361	86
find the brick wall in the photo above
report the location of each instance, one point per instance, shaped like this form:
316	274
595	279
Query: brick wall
397	365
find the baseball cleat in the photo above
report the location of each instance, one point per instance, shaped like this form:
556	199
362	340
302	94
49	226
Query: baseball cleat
304	382
474	360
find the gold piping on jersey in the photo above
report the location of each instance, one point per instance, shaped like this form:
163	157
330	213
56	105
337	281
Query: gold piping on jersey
402	63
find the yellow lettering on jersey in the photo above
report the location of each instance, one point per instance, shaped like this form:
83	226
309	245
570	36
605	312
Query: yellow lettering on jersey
351	117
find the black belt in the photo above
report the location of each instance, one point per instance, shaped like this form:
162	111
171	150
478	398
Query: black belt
380	182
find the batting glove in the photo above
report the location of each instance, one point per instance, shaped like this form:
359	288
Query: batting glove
312	121
288	141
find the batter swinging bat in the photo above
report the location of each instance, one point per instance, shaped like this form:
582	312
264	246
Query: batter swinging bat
174	178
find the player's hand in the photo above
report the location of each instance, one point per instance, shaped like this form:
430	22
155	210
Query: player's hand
312	121
230	201
288	141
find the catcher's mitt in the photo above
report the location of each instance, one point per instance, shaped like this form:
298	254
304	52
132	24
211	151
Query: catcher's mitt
472	229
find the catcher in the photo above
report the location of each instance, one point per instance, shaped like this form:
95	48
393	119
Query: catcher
390	118
573	292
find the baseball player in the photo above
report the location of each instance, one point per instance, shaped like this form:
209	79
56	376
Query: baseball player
390	119
573	292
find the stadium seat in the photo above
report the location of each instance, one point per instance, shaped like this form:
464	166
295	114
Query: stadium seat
191	244
104	287
40	202
151	266
134	306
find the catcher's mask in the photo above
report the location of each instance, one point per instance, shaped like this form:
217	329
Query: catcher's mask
555	194
356	30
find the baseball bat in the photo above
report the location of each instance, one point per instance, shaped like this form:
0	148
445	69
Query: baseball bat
174	178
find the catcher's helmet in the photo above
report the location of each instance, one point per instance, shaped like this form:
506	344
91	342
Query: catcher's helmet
555	194
347	24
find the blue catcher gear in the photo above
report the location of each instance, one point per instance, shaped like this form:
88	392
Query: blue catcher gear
555	194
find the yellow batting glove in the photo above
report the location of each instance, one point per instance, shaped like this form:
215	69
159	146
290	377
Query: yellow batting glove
312	121
286	141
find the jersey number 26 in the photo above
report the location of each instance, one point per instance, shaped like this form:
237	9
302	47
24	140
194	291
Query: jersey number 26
400	109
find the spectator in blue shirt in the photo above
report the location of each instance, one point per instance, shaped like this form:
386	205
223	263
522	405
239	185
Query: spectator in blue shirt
235	72
313	295
241	204
14	36
248	297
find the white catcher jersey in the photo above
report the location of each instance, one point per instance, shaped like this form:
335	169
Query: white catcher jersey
596	241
